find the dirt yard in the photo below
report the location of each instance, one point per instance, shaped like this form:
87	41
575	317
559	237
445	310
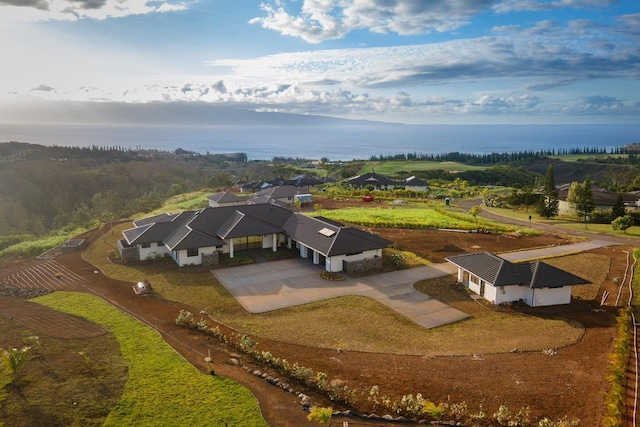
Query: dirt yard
570	382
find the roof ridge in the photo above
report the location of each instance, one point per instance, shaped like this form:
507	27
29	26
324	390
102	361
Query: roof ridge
184	236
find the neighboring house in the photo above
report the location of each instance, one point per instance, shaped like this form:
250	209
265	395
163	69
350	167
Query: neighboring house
225	198
415	184
198	237
378	182
283	194
602	198
500	281
253	187
297	181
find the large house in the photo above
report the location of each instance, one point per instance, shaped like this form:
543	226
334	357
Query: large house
224	198
500	281
199	237
381	182
602	198
285	195
377	181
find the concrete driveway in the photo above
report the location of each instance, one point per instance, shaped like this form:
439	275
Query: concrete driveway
274	285
278	284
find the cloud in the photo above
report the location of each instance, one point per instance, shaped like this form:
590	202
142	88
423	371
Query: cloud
603	104
320	20
70	10
37	4
546	5
43	88
544	55
90	4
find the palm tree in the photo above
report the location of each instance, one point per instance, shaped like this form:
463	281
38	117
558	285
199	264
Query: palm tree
13	359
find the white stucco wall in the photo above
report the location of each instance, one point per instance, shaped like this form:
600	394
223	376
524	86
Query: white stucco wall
551	296
474	284
151	252
182	259
335	263
499	295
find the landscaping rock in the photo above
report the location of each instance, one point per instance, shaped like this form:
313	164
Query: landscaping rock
16	292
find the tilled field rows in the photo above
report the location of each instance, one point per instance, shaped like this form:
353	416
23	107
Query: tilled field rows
49	275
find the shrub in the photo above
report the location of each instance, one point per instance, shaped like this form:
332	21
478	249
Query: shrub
432	410
614	399
185	318
202	324
321	415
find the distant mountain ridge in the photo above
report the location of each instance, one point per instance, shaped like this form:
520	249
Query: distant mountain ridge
157	113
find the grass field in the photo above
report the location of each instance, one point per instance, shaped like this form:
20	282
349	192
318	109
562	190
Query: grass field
162	386
351	322
394	167
414	217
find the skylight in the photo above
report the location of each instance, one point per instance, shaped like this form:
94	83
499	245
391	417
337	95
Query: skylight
327	232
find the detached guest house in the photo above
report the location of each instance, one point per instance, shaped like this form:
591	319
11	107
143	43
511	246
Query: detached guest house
199	237
500	281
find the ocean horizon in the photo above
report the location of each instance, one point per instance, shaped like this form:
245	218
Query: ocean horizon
332	142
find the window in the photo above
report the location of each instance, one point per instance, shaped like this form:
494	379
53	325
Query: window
160	244
192	252
146	245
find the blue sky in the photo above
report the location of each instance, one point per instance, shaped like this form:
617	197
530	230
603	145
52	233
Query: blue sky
411	61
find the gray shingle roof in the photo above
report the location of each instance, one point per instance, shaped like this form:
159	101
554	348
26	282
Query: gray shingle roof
371	179
225	197
416	182
241	225
500	272
192	239
208	226
281	191
342	241
165	217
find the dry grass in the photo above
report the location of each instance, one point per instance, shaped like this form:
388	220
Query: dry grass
493	329
59	386
592	267
352	322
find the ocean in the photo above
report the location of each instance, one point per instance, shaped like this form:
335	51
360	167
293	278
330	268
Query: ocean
332	142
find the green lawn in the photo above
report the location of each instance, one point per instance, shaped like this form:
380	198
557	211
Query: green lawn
162	388
396	166
413	216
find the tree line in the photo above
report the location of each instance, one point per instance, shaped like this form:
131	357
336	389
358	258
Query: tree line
499	158
46	188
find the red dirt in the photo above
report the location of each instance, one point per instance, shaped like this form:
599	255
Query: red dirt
569	383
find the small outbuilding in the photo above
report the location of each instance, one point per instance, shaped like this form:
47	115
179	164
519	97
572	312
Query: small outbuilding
499	281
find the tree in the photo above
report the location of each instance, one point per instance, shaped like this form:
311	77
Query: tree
622	223
475	211
548	206
580	196
618	208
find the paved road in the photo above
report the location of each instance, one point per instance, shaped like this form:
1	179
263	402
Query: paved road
279	284
551	228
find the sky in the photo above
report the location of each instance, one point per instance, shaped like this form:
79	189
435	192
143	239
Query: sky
405	61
